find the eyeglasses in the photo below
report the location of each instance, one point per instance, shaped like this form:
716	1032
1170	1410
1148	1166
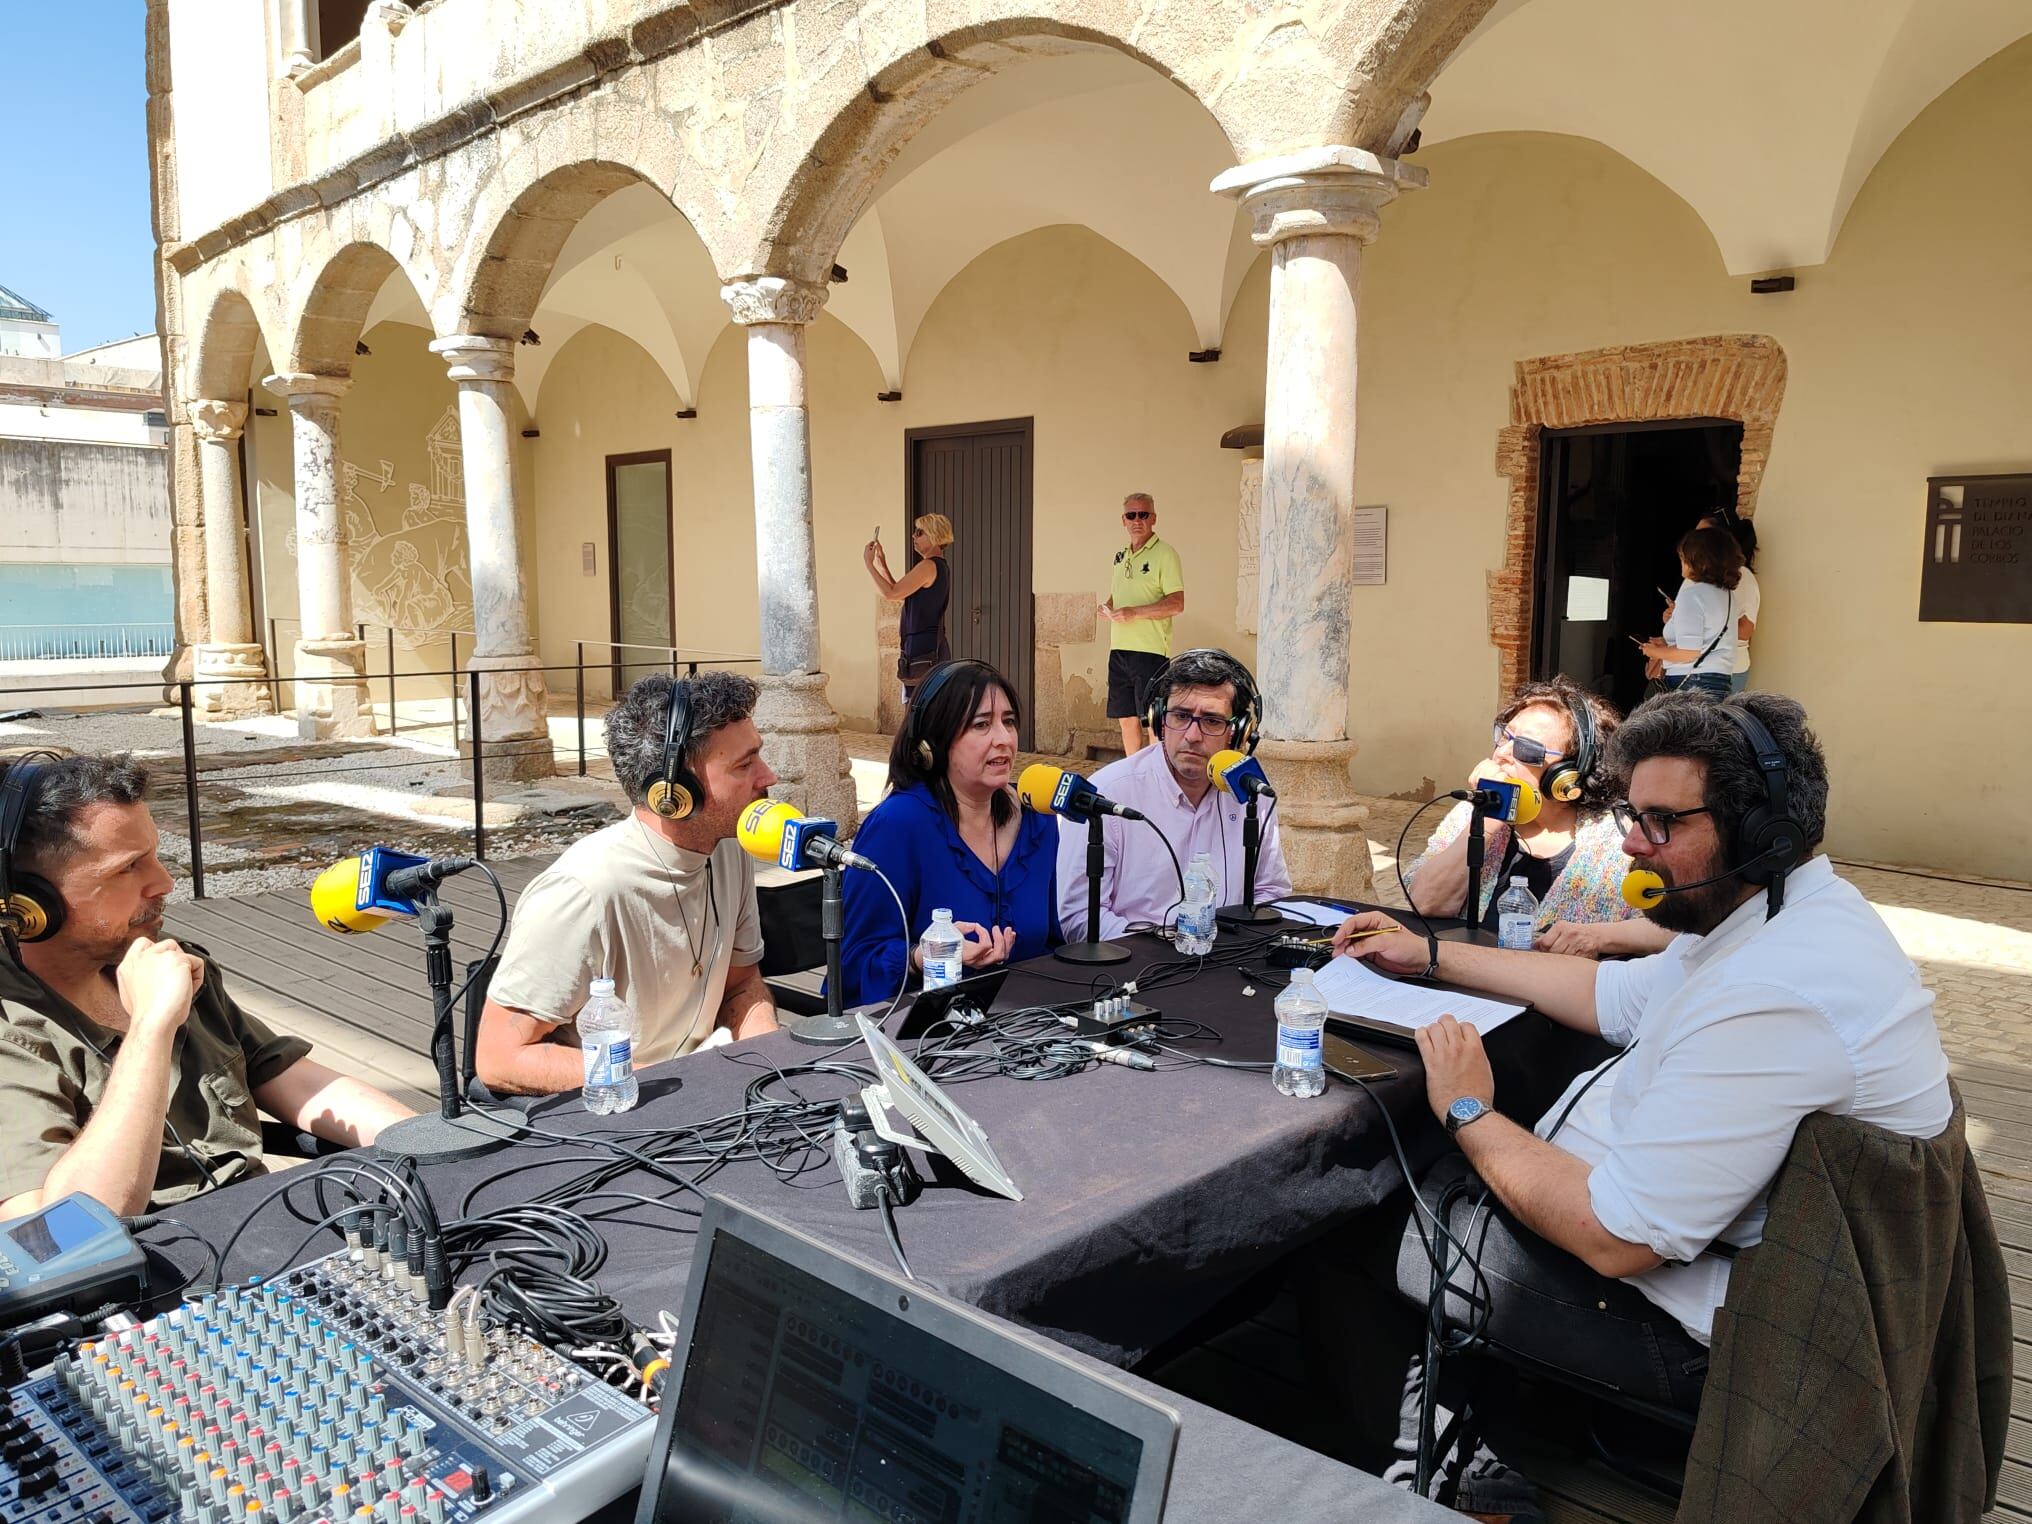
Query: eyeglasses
1657	824
1531	753
1138	513
1178	721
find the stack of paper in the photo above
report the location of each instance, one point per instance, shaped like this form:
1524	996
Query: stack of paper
1352	988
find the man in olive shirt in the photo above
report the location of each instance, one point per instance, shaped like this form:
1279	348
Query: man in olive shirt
1146	591
126	1070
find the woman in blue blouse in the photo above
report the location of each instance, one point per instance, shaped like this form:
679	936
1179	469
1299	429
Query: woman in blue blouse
950	835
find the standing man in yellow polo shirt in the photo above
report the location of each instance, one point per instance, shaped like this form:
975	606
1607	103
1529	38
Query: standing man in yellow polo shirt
1147	590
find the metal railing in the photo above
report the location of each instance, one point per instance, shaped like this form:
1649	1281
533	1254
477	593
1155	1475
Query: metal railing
61	642
465	686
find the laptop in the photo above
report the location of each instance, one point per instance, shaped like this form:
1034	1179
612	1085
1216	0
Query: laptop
808	1386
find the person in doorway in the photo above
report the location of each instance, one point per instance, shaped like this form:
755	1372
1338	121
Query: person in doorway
1782	994
925	591
1201	702
950	835
1749	597
1554	736
1145	594
127	1071
661	902
1698	647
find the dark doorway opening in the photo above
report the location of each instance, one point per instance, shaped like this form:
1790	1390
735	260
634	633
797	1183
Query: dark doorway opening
1612	505
978	475
641	577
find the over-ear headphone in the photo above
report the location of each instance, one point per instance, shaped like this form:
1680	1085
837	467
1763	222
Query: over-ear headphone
920	704
1248	726
30	908
1567	779
1768	843
675	790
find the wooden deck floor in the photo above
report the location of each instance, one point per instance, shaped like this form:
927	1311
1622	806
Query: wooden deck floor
363	1001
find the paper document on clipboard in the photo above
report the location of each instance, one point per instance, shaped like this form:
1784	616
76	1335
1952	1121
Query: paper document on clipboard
1352	988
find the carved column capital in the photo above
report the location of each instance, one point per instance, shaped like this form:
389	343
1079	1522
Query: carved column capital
302	390
476	357
772	299
218	422
1332	191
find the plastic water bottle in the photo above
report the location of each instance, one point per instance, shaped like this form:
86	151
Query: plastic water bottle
1196	924
1301	1014
607	1044
939	950
1517	916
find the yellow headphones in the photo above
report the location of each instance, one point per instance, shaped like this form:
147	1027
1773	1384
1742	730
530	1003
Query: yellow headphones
675	791
30	908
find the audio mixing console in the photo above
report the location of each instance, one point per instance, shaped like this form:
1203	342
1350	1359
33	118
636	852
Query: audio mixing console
330	1393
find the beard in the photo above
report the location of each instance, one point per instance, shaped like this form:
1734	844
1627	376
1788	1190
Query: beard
1698	911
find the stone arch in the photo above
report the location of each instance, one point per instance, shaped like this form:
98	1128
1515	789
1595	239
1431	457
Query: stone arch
1348	72
1737	377
523	215
228	337
328	320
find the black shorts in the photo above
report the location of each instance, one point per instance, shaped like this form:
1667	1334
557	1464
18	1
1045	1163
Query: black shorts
1129	674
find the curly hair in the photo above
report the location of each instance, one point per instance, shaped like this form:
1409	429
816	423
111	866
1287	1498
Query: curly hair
1564	694
636	726
1691	725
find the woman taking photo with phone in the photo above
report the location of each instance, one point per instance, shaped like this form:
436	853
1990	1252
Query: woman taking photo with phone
924	591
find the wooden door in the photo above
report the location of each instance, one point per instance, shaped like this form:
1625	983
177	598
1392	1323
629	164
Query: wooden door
979	475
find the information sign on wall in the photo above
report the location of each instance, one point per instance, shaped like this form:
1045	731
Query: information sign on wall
1976	567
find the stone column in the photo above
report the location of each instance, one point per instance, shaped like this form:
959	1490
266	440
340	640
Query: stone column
511	721
298	56
1314	211
801	731
229	651
331	688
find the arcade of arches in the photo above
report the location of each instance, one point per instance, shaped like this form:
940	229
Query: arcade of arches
639	342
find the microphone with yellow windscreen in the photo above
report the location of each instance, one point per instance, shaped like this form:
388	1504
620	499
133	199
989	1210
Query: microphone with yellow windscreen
1643	889
1511	802
336	901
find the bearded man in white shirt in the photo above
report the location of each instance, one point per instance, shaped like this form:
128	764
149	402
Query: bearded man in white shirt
1785	994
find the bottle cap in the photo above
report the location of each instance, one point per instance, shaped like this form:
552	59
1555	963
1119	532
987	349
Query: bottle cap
603	986
1301	976
1518	881
941	915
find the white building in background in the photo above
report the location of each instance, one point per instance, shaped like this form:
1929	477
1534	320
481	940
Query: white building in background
85	587
25	329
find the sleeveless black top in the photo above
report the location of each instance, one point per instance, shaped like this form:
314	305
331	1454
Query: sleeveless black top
921	630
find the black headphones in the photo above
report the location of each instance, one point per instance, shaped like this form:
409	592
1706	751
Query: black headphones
1768	843
30	908
1567	779
1247	729
675	790
920	702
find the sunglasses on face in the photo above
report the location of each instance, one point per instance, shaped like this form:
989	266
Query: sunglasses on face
1527	751
1657	824
1138	513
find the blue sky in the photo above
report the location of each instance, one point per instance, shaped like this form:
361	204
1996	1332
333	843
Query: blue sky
74	222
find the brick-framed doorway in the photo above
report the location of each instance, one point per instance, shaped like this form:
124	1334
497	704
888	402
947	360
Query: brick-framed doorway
1738	377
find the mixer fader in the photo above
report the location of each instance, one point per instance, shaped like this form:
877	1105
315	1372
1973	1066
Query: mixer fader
332	1393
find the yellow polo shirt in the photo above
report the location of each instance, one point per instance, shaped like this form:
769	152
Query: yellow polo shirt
1143	576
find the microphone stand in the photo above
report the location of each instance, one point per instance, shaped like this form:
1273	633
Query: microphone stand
457	1131
833	1028
1249	913
1471	919
1093	950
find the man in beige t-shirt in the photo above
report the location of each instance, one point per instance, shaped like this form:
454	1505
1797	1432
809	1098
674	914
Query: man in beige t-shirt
662	904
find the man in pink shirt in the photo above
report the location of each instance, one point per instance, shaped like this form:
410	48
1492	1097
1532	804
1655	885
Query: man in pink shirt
1202	701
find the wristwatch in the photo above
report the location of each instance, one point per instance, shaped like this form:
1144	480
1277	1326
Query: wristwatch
1463	1111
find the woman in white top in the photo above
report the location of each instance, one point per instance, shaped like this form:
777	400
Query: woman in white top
1749	598
1698	647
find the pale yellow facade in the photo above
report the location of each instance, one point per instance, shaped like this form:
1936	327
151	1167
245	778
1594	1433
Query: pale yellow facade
1903	348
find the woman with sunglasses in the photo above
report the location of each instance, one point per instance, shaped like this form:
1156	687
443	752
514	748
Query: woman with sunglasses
1571	855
